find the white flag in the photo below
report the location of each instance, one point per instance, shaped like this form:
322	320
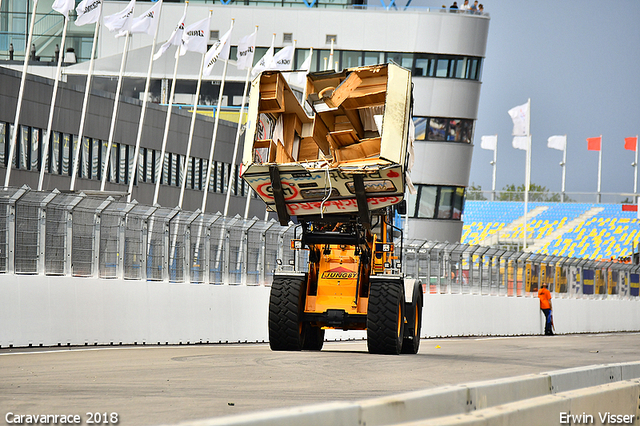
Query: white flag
220	50
520	117
174	39
521	142
489	142
246	49
64	6
120	21
300	78
264	62
88	12
557	142
148	21
195	37
283	60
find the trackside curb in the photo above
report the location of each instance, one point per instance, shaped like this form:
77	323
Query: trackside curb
526	400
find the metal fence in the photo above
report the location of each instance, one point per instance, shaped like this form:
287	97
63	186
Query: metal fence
53	233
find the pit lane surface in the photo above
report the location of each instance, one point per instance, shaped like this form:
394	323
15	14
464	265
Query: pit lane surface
150	385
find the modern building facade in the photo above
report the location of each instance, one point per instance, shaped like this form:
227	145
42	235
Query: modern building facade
445	52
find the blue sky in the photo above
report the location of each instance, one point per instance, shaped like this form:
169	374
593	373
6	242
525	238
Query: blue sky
579	62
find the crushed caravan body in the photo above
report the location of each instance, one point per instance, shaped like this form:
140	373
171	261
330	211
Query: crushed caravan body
301	158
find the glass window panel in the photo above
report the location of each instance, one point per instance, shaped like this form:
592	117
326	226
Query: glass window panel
148	165
165	169
66	146
373	58
422	67
472	69
72	154
23	148
113	163
3	144
213	178
442	67
35	149
351	59
427	202
86	158
259	53
402	59
95	159
217	170
54	157
445	202
123	170
458	203
322	60
411	204
453	130
190	174
421	127
437	129
175	169
300	57
466	131
104	168
461	67
141	167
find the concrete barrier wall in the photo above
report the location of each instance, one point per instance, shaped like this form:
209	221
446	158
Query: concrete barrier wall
49	310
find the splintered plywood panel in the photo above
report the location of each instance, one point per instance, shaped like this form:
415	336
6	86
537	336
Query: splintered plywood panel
367	148
371	92
344	90
272	93
342	138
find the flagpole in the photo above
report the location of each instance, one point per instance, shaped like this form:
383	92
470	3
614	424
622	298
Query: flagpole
494	163
114	114
527	180
158	172
237	141
25	67
635	172
47	137
84	104
564	166
213	138
183	184
599	169
132	176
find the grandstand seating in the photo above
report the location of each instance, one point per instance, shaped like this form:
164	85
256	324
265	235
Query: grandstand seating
594	231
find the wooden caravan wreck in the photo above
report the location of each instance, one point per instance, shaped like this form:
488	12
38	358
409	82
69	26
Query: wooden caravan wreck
347	144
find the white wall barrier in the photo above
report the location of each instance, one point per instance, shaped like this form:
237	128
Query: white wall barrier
60	310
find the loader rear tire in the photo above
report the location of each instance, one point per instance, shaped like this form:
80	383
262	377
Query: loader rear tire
285	311
385	317
313	338
413	312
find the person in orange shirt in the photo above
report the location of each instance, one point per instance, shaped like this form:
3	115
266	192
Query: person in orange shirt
545	306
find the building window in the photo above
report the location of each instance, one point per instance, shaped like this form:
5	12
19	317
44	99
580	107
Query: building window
287	38
35	149
3	142
443	129
437	202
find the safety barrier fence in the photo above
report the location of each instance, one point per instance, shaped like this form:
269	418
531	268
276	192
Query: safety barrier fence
70	234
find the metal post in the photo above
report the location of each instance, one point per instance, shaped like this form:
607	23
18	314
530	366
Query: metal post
11	227
167	246
42	231
122	233
97	219
207	247
188	256
68	246
145	241
245	239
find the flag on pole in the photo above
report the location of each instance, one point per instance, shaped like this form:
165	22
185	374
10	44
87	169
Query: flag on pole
220	50
148	21
631	143
520	116
283	60
195	37
594	144
263	63
174	39
300	78
557	142
489	142
246	49
88	12
64	6
120	21
520	142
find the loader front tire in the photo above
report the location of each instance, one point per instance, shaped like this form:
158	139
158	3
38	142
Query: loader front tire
413	312
385	317
286	303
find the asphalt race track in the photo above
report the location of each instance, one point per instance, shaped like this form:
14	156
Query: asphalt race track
151	385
